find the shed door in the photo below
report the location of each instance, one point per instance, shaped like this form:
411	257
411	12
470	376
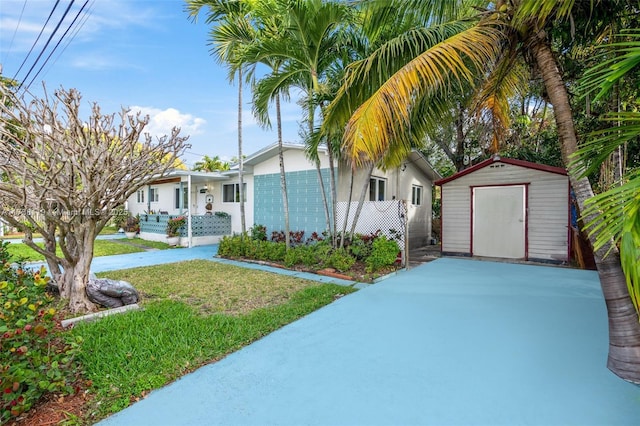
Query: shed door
499	221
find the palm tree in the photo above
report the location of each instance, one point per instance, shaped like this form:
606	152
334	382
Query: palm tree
267	15
305	49
418	70
231	32
208	164
620	206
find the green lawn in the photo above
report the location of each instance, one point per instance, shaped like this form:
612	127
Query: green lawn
194	313
101	248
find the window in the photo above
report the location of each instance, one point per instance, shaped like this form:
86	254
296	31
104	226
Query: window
140	195
377	188
154	195
416	195
185	198
231	192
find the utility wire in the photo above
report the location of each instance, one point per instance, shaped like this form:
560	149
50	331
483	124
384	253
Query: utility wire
47	44
58	43
37	39
17	26
77	29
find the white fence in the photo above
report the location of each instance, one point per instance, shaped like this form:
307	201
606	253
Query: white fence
388	217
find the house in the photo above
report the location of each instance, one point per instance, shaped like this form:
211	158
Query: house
507	208
188	192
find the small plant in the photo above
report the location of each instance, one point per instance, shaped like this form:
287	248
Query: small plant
259	232
360	248
295	237
340	260
234	246
119	217
224	215
174	225
384	252
36	357
131	224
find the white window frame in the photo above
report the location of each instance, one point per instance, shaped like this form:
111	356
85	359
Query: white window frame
236	192
185	198
140	195
416	194
154	195
374	191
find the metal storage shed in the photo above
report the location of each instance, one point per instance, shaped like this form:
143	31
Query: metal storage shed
507	208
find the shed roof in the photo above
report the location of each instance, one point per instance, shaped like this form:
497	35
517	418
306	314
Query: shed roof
498	159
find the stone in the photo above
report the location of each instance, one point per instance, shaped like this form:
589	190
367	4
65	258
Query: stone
111	293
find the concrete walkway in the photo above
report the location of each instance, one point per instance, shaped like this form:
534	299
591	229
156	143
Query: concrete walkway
451	342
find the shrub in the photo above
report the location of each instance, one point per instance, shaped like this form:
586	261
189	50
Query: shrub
35	355
274	252
305	255
340	260
131	224
259	232
295	237
384	252
174	225
360	248
233	246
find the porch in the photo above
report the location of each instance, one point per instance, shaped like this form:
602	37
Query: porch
199	230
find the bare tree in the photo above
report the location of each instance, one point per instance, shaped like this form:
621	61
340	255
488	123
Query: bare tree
63	177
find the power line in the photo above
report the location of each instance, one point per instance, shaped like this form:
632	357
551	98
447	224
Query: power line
18	25
37	39
77	29
58	43
48	41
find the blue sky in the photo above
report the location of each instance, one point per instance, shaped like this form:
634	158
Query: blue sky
139	54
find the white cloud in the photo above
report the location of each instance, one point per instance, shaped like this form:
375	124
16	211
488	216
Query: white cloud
162	121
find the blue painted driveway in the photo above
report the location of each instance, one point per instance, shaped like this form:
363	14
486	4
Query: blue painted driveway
451	342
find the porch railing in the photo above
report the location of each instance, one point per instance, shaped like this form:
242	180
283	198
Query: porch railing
201	225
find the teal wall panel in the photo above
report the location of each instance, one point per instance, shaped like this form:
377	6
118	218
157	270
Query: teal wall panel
306	210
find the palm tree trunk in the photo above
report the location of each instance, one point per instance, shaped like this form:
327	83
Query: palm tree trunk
348	209
624	327
243	224
283	177
332	189
363	193
325	203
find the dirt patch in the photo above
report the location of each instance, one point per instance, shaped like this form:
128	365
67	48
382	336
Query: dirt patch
55	409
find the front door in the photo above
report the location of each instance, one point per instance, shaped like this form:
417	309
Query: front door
499	219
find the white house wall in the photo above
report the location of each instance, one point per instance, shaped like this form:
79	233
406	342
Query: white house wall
166	200
547	209
399	185
294	161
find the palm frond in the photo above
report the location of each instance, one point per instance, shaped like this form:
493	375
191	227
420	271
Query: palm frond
364	77
543	10
506	79
618	217
625	127
617	60
275	84
379	122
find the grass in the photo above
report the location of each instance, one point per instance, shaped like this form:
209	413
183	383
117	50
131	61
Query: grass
194	313
151	244
101	248
211	287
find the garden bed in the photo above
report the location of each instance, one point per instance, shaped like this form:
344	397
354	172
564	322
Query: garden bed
358	272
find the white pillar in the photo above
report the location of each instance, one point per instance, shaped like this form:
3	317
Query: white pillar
189	231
